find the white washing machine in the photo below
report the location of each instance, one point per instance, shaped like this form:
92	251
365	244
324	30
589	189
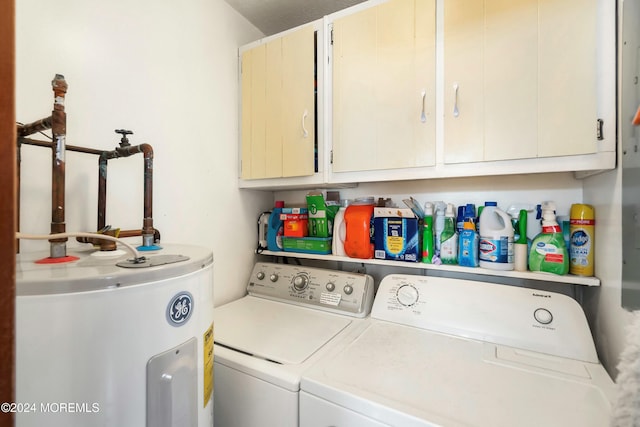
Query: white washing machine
103	342
264	341
448	352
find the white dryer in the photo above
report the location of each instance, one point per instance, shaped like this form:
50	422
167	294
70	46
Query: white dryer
451	352
264	341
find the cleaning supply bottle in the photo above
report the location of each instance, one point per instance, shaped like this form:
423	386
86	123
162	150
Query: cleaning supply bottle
428	246
449	238
548	252
357	220
438	224
468	246
520	245
496	239
582	233
339	230
276	228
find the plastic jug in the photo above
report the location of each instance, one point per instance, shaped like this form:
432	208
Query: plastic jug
275	231
339	230
496	239
357	223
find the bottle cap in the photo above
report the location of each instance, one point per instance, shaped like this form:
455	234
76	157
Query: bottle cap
450	212
491	204
279	204
428	209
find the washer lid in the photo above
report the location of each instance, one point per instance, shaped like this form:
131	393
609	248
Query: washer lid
275	331
413	377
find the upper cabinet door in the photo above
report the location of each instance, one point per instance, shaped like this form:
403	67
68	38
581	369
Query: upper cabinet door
278	107
384	87
568	83
525	76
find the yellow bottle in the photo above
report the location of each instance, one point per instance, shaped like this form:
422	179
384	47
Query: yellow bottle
582	234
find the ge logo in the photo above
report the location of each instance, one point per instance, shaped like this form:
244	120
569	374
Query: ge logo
180	308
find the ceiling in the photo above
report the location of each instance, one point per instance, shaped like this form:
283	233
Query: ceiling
274	16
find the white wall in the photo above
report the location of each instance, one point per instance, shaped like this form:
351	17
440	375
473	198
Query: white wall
167	71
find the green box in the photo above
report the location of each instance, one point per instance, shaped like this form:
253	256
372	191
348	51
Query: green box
321	216
308	245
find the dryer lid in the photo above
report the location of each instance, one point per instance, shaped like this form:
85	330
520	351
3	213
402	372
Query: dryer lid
275	331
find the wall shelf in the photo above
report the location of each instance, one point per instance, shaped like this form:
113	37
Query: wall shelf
568	279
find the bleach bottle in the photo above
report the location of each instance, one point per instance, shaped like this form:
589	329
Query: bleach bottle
496	239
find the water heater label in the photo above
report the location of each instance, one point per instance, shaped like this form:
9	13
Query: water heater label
207	380
179	309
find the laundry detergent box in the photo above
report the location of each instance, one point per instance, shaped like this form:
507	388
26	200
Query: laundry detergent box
396	234
321	215
295	222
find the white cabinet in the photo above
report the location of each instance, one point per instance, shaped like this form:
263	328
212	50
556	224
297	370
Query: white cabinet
520	79
279	107
383	71
421	89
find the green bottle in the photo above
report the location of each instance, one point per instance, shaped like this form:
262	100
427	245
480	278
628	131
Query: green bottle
427	234
548	251
449	238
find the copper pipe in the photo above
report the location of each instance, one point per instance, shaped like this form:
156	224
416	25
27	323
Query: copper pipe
147	232
59	131
37	126
49	144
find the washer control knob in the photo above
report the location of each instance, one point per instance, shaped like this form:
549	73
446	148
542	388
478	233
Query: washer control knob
542	315
330	287
407	295
348	289
260	275
300	282
273	277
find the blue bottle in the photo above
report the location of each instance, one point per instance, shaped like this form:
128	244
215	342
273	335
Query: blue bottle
468	246
275	231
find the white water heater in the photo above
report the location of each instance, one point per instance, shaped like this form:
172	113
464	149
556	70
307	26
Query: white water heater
98	344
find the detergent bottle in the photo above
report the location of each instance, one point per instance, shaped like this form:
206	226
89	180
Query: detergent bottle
275	229
548	251
339	230
468	246
357	221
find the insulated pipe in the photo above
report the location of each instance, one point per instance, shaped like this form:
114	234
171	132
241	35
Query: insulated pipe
59	130
125	151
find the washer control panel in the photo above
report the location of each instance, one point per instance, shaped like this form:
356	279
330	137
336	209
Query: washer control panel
546	322
330	290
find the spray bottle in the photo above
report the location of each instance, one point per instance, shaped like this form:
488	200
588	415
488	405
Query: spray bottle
449	238
548	251
428	246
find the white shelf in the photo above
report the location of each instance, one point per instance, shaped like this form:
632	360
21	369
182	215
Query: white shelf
569	279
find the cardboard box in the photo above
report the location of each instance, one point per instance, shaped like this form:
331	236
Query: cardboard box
295	222
397	234
321	216
309	245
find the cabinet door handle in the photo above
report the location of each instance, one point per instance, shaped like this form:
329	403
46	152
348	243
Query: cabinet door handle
423	116
305	133
456	112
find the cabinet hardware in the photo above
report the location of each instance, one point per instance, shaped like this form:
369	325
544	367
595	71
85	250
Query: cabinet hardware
423	116
456	112
305	133
599	129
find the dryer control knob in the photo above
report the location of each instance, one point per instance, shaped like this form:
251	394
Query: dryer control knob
260	275
348	289
300	282
273	277
542	315
407	295
330	287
